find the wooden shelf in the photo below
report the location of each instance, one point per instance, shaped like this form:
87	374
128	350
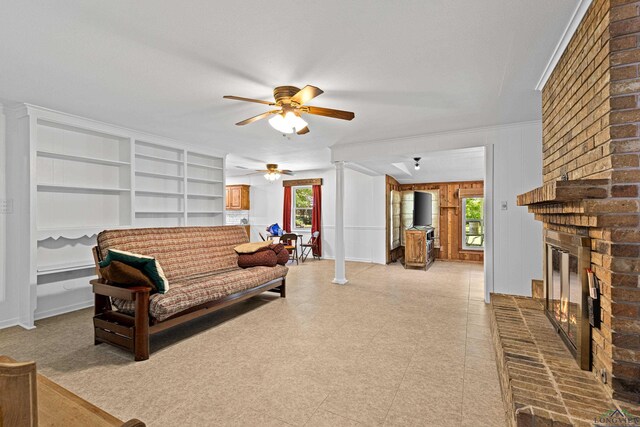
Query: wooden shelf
159	159
204	212
83	159
159	212
205	196
76	189
159	175
61	268
200	165
74	232
158	193
204	180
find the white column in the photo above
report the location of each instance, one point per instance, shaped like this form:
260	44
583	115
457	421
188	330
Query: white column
340	277
3	196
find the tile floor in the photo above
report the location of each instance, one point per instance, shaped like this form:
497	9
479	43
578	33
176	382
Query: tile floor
392	347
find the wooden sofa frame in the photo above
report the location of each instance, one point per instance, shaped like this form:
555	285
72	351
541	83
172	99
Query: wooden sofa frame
132	332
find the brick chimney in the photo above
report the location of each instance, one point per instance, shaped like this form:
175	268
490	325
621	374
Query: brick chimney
591	130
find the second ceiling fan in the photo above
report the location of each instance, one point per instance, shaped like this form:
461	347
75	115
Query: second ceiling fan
290	102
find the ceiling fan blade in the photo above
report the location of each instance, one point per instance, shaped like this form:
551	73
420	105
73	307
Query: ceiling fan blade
303	130
306	94
286	172
239	98
256	118
329	112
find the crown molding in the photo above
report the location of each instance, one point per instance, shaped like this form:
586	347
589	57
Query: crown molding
568	33
466	131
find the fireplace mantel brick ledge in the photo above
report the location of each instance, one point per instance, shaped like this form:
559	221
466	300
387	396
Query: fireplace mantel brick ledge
541	383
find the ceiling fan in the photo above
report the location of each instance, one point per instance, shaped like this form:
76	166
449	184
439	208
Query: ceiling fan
290	102
272	173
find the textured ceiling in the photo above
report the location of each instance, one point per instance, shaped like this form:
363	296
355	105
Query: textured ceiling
405	68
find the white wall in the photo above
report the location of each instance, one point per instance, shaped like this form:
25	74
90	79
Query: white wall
517	160
513	252
364	211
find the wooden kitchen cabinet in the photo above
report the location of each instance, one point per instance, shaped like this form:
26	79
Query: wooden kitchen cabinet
237	198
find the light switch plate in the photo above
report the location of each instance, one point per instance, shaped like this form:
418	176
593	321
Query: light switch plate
504	206
6	206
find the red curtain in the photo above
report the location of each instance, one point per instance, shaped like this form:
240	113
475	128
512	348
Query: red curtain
286	210
316	216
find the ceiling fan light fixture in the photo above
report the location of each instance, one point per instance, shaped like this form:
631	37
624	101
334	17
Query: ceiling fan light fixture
272	176
287	123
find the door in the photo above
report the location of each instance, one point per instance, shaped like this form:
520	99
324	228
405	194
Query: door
236	198
416	247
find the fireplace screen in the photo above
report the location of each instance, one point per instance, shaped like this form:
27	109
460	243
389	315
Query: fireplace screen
567	258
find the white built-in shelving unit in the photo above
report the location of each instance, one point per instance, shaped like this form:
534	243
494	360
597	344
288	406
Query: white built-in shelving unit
87	176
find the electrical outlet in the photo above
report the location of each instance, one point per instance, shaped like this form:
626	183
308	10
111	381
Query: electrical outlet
603	375
503	205
6	206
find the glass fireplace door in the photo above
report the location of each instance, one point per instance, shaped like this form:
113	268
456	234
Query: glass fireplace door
565	300
575	298
554	264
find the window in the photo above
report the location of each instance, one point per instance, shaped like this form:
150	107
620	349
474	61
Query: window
473	223
302	208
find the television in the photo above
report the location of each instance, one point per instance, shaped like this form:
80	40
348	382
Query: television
421	209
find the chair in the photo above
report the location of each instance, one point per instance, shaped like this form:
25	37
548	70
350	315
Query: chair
26	396
310	247
18	402
290	242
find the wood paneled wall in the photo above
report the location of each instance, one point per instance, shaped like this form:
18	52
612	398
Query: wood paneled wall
450	218
391	184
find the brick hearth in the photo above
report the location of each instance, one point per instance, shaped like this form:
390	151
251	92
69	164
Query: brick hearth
541	383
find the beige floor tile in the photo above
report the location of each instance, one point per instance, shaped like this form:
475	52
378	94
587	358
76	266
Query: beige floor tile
327	419
361	402
421	413
394	347
291	399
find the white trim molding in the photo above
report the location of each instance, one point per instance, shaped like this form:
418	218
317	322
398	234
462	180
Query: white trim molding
569	31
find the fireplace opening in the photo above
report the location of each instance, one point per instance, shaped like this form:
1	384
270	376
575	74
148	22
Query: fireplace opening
567	258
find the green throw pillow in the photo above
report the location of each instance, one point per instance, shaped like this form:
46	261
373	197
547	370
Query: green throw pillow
148	265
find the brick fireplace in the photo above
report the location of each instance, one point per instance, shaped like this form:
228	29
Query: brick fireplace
591	174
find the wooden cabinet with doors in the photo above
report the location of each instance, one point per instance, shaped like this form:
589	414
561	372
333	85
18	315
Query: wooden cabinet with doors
237	198
415	249
419	250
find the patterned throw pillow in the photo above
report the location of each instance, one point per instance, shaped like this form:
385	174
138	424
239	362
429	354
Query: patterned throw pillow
249	248
148	265
283	256
265	257
124	274
276	247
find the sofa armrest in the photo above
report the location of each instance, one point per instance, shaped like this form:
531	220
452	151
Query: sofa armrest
129	293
